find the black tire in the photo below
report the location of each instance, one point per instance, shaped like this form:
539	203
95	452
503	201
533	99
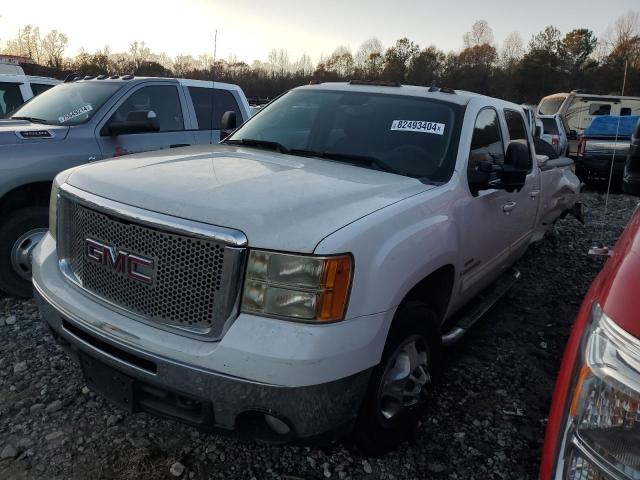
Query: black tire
374	434
11	229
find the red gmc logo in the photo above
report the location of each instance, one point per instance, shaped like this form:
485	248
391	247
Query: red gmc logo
130	265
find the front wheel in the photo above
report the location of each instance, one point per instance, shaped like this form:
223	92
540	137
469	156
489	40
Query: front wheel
19	235
400	385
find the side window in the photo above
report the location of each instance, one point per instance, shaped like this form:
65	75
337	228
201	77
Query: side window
625	111
599	109
10	98
163	100
223	101
518	130
486	142
38	88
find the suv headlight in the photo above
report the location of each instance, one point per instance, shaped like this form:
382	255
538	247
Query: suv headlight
297	287
602	436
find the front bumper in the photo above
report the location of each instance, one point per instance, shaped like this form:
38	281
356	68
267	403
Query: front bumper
311	393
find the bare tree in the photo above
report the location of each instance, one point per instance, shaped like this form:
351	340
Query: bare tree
480	34
53	47
27	43
138	54
512	49
341	62
279	60
368	48
303	65
183	64
624	39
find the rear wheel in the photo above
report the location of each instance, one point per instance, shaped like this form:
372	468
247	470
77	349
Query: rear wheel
400	385
19	235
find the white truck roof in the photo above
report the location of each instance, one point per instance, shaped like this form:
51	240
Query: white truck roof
459	97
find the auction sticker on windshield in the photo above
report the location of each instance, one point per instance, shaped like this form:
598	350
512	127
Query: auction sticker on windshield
418	126
75	113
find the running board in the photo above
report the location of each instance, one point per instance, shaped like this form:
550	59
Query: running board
477	308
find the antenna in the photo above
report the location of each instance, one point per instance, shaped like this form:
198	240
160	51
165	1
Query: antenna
601	248
213	85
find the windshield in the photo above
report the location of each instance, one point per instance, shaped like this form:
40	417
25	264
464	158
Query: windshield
550	106
410	136
68	103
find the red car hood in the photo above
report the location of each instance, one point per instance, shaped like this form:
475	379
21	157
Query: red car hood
619	281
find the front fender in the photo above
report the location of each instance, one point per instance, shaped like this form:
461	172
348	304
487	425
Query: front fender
395	248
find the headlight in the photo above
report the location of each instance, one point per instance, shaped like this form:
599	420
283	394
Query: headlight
297	287
603	429
53	199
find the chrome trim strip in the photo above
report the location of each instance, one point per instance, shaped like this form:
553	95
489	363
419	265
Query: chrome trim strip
183	226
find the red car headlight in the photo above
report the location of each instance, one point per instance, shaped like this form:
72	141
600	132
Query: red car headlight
602	431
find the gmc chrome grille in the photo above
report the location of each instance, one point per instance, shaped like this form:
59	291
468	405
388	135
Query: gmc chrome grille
195	282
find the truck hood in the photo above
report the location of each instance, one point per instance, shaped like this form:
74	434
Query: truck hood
279	201
20	132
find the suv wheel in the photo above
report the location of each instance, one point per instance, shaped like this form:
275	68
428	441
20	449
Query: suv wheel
19	235
400	385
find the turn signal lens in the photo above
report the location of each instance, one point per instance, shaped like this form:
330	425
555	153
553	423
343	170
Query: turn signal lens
297	287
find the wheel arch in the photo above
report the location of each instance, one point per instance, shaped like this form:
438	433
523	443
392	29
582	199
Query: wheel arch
435	290
34	194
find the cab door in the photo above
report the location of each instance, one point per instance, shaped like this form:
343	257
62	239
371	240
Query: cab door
167	103
523	204
485	226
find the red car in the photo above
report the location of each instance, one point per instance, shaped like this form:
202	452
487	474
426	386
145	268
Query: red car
594	424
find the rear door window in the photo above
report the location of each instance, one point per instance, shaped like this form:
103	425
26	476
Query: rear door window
163	100
10	98
223	101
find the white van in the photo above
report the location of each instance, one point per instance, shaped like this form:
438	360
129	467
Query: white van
577	109
16	87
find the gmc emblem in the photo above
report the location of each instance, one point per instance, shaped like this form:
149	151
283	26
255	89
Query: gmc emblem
130	265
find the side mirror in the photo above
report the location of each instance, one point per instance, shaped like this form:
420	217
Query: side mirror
572	135
138	121
513	173
479	178
228	124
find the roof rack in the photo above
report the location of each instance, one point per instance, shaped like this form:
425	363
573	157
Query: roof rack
376	83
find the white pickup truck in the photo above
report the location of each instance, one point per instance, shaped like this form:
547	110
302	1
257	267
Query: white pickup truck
16	88
302	277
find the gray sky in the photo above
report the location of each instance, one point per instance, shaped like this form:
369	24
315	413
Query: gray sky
250	28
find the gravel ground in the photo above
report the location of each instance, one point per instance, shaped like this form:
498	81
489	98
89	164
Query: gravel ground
487	418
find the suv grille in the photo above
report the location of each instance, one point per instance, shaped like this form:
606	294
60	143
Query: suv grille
191	288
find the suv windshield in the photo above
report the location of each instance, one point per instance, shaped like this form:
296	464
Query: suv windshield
68	103
410	136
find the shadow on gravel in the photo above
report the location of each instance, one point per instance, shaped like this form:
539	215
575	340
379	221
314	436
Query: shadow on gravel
487	420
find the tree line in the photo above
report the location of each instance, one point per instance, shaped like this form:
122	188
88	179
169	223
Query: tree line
514	70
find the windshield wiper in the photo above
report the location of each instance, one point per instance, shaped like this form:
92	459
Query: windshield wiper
250	142
366	159
361	159
31	119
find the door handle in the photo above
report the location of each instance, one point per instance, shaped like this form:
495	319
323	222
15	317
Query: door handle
178	145
534	193
507	207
